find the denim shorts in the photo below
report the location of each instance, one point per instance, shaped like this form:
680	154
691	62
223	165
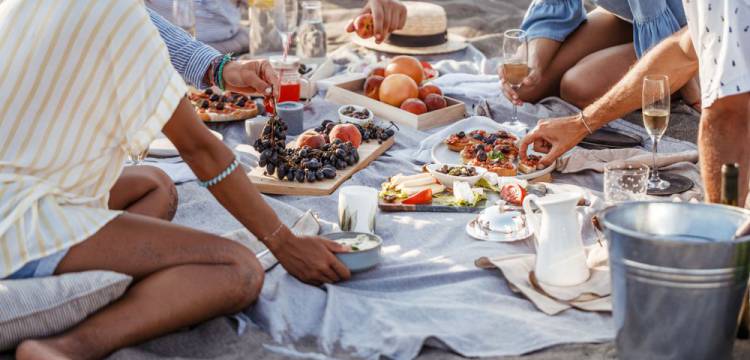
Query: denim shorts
44	266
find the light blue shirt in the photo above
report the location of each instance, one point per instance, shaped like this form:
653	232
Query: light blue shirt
653	20
191	58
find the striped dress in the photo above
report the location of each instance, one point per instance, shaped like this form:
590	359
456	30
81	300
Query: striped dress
81	83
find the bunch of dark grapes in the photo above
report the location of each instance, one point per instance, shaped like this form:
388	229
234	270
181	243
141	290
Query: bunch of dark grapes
369	131
303	164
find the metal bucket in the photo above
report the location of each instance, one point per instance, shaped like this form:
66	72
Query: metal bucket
677	278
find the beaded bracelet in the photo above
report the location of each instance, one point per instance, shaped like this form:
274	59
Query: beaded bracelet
219	81
223	175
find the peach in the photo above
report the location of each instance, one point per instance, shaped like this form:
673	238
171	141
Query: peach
312	139
429	89
379	71
435	102
396	88
346	132
414	106
364	26
372	86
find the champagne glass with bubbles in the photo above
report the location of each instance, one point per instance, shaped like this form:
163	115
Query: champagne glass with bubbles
515	62
285	14
656	107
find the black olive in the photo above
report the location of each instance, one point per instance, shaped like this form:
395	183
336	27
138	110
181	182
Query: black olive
461	134
220	106
241	102
208	91
482	156
204	104
215	97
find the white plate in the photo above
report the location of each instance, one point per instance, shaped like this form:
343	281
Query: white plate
442	155
472	228
162	147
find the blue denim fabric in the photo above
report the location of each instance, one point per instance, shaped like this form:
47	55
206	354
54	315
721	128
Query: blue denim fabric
653	20
41	267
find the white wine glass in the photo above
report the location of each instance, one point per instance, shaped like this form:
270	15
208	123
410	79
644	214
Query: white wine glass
285	14
515	62
656	108
183	15
136	157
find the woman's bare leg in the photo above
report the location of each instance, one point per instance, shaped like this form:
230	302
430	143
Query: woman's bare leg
595	74
602	30
181	277
144	190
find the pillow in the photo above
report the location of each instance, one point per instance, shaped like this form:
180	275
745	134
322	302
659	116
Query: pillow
41	307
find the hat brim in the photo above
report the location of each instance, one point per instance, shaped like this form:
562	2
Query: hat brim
454	43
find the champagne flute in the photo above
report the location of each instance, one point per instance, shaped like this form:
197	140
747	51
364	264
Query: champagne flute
137	157
515	62
656	107
183	15
285	19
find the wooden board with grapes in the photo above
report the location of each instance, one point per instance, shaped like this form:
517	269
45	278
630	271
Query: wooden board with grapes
320	160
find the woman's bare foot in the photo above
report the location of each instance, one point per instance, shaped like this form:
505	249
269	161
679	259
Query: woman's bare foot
691	94
39	350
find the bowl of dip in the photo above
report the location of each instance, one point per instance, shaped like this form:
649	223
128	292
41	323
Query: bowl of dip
365	253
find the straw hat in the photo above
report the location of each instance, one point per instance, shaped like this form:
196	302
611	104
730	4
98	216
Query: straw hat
425	32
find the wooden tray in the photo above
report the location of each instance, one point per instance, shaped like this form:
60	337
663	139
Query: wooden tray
368	152
350	92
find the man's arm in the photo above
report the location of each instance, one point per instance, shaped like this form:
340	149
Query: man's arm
723	138
674	57
191	58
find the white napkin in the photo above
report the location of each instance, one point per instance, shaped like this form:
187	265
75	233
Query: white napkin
586	159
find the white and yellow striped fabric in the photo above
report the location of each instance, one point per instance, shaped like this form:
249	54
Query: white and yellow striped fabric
81	83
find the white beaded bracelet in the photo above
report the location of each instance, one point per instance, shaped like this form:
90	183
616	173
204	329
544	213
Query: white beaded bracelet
223	175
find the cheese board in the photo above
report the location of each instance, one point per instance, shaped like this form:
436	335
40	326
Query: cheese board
350	92
271	185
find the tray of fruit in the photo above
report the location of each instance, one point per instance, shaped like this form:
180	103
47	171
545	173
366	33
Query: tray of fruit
493	148
320	159
399	92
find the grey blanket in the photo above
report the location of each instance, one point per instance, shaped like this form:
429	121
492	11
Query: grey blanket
427	291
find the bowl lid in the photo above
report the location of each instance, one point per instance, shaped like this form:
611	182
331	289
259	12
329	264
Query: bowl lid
494	219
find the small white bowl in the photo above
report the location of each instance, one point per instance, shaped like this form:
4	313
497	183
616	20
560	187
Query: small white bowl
345	118
448	180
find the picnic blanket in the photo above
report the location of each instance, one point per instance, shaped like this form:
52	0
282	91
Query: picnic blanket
427	291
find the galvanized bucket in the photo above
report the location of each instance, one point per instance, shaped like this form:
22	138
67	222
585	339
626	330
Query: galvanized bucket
677	278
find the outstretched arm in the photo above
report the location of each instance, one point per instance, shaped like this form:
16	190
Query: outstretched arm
310	259
674	57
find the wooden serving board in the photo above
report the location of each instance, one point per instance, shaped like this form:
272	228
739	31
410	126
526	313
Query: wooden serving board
368	152
350	93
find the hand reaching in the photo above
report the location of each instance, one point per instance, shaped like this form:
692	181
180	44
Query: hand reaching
554	137
249	76
311	259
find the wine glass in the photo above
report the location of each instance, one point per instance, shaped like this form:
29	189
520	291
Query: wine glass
285	19
515	62
136	157
656	107
183	15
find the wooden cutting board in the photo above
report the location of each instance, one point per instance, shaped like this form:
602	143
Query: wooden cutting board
368	152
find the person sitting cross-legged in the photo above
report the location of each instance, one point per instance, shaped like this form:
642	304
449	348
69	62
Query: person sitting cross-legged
107	88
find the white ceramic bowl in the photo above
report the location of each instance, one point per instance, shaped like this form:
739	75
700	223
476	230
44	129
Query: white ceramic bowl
345	118
358	260
448	180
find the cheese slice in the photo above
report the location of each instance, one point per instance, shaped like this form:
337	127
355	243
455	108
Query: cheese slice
436	189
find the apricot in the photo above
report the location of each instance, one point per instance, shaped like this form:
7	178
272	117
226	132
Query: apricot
435	102
312	139
414	106
372	86
364	25
396	88
346	132
407	65
429	89
379	71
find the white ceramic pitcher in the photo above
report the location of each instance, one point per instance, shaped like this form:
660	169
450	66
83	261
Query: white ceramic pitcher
560	256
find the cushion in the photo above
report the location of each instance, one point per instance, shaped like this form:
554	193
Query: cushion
40	307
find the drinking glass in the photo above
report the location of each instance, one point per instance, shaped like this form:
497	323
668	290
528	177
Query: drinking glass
311	40
357	208
515	62
656	107
625	182
183	15
285	19
136	157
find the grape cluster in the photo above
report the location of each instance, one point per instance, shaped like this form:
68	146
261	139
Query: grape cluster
369	131
302	164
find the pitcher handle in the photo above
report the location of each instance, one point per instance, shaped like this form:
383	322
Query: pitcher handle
533	220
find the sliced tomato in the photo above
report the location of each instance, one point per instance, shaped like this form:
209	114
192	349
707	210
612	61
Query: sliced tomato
426	65
422	197
513	194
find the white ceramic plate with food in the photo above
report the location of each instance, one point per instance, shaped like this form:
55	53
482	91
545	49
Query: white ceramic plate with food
441	154
162	147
